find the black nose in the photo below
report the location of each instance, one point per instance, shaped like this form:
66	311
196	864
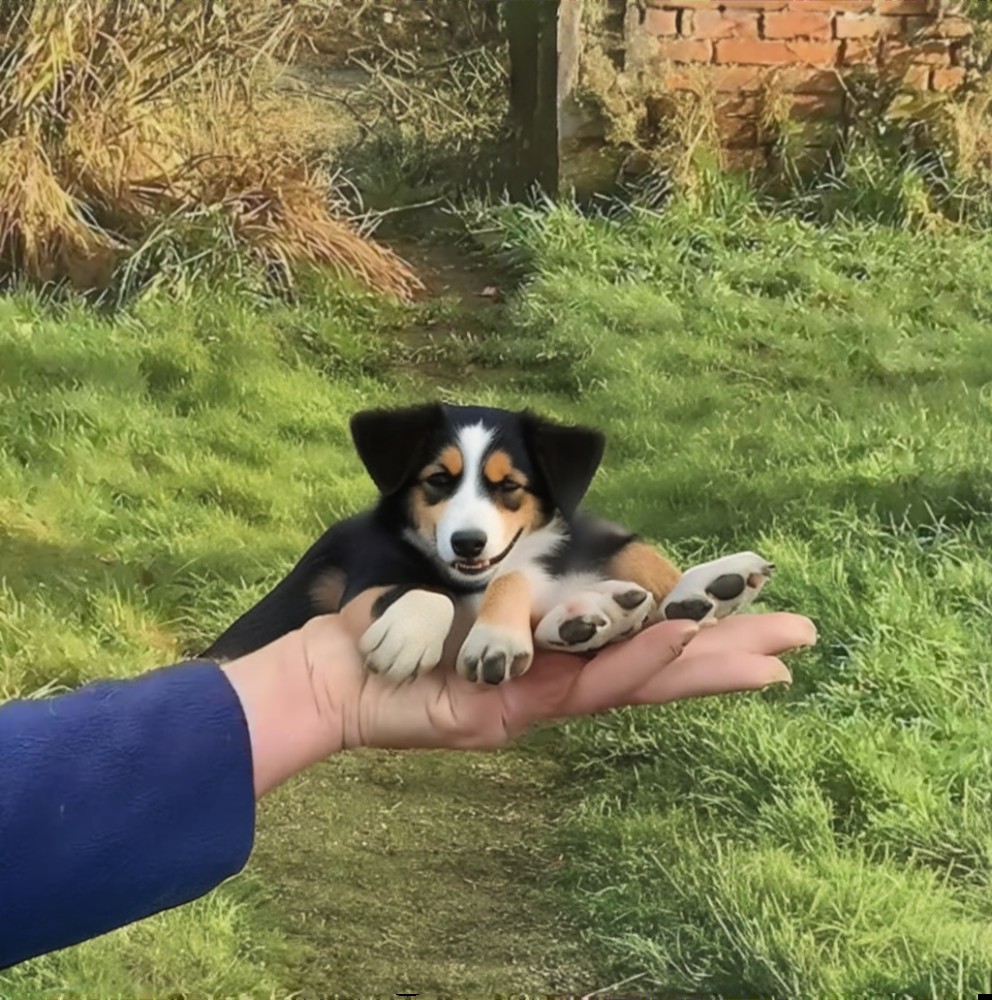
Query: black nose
468	544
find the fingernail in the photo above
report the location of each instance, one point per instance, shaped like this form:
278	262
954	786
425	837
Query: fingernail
783	678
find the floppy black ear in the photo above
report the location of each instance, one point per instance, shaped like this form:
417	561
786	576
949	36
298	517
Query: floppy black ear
566	457
392	443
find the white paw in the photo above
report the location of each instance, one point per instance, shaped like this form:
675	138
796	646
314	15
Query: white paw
713	590
494	653
595	616
408	638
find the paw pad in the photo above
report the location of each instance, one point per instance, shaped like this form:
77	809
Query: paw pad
595	616
714	590
582	629
631	599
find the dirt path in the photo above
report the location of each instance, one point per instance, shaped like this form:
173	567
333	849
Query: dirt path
429	873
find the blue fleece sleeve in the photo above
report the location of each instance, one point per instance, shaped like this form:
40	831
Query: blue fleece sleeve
117	801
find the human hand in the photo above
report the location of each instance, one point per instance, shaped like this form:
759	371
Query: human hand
307	695
667	662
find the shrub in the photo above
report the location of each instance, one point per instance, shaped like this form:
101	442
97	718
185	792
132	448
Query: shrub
126	124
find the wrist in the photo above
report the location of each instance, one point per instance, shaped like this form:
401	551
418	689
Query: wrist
292	723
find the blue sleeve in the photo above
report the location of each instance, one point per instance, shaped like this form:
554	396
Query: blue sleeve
117	801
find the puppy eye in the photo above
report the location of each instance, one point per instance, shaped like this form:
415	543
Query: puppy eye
510	486
439	480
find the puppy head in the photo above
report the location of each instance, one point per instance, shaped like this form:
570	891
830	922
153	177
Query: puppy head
474	481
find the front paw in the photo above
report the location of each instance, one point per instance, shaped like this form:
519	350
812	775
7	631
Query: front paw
602	613
494	653
408	638
713	590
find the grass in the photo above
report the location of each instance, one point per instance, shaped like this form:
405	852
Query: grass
818	393
158	469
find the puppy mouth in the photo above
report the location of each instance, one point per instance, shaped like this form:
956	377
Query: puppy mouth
473	567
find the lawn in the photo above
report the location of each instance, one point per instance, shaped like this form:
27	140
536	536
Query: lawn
821	395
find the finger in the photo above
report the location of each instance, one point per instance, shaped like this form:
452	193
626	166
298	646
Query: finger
770	633
618	671
721	672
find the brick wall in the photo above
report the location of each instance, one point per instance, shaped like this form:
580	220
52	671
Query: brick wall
807	45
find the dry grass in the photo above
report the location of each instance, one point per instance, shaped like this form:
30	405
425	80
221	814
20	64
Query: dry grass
117	118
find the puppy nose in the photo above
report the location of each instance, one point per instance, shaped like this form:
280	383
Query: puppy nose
468	544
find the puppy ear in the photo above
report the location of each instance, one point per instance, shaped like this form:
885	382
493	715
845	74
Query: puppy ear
393	443
566	457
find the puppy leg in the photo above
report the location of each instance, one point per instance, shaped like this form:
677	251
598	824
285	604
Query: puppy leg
500	644
408	629
716	589
592	615
589	616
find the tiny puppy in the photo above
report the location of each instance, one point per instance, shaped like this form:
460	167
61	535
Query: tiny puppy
477	550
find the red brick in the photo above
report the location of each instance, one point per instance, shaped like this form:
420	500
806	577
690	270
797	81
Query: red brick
679	80
736	4
832	6
906	6
858	51
737	133
802	80
947	27
914	77
773	53
898	56
742	79
867	26
810	107
661	22
685	50
948	79
725	24
741	105
797	24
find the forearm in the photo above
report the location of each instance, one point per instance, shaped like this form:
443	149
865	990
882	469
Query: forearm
117	801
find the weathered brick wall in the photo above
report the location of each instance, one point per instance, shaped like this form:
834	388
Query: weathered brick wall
808	45
739	52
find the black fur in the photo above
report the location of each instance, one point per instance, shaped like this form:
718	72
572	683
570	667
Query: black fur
369	550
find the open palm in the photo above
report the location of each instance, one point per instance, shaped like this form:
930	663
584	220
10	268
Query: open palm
441	709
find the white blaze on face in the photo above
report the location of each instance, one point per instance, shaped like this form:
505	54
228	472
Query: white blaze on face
469	508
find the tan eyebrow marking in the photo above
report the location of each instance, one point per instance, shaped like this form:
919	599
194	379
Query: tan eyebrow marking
499	466
450	460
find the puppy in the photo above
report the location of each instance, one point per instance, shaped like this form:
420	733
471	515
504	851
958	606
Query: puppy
477	550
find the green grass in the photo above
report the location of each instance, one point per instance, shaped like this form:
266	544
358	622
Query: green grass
160	469
822	395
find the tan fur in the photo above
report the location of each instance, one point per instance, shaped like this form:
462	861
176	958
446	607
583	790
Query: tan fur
520	510
451	460
327	591
499	467
425	516
643	564
506	603
356	615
